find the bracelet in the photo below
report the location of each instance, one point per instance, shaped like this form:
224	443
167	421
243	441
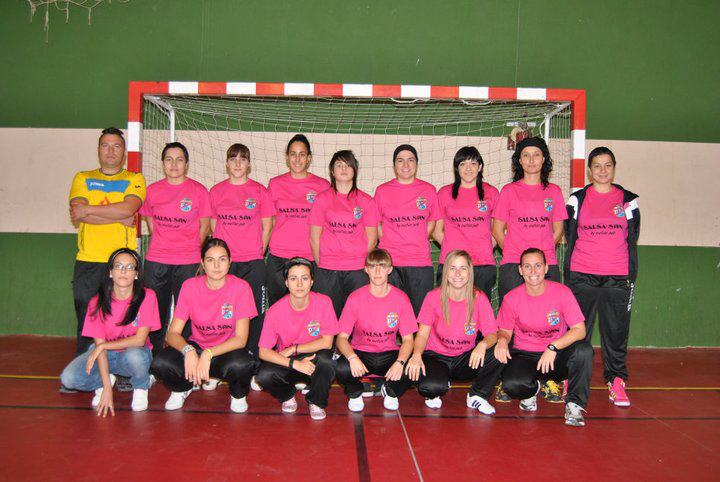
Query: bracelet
209	351
290	365
352	357
187	349
401	362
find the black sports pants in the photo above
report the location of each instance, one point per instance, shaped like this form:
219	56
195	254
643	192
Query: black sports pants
280	381
377	364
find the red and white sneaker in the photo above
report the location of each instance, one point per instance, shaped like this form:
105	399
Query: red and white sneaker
617	393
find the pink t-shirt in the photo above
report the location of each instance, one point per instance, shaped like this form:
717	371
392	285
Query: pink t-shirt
537	321
601	247
405	210
529	212
214	313
98	326
343	243
375	322
284	326
460	336
293	199
238	211
176	211
466	221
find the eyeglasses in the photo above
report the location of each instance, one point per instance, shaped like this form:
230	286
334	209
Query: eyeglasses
124	267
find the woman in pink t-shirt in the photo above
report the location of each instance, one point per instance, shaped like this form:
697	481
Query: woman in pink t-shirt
529	213
119	319
296	342
466	208
408	209
446	345
293	195
374	315
177	212
218	306
343	228
546	327
242	216
601	262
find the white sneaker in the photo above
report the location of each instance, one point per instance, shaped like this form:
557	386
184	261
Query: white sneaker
482	405
98	393
238	405
390	403
356	404
176	400
211	384
254	385
433	403
316	413
289	406
573	415
530	404
139	400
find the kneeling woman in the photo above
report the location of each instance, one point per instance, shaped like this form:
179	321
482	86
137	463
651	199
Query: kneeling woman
296	341
373	316
219	307
119	319
546	326
446	346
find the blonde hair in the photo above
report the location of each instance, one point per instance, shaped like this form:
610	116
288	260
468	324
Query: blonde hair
445	285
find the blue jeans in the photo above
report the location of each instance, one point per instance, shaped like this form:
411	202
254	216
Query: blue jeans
133	362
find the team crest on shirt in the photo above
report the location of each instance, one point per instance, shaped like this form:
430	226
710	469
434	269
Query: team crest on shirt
392	319
482	206
470	328
553	317
421	203
357	212
186	205
313	328
226	311
250	203
618	211
310	196
548	204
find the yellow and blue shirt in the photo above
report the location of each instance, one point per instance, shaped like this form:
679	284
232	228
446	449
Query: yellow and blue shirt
97	241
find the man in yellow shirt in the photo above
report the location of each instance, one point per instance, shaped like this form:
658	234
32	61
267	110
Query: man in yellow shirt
103	203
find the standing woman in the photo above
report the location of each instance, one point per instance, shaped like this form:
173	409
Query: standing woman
243	217
293	195
446	345
374	316
219	307
177	212
343	228
466	208
548	339
528	213
408	210
119	318
601	263
296	342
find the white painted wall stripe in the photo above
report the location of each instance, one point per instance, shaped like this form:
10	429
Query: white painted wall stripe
357	90
415	91
133	136
578	143
179	88
241	88
531	94
467	92
299	89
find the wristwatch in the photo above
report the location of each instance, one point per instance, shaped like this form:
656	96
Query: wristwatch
187	349
552	347
401	362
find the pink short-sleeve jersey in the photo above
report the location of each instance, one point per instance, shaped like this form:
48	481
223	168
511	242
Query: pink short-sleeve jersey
375	322
238	211
343	242
175	211
537	321
106	327
466	222
404	213
460	335
213	314
284	326
529	212
293	200
601	247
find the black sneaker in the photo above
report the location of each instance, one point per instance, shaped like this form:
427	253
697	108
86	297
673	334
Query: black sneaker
123	384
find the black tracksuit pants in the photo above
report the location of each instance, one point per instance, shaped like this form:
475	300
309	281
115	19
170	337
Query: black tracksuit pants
440	369
377	364
87	277
338	285
415	281
280	380
255	273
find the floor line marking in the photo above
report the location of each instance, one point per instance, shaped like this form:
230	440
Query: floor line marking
412	452
361	449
